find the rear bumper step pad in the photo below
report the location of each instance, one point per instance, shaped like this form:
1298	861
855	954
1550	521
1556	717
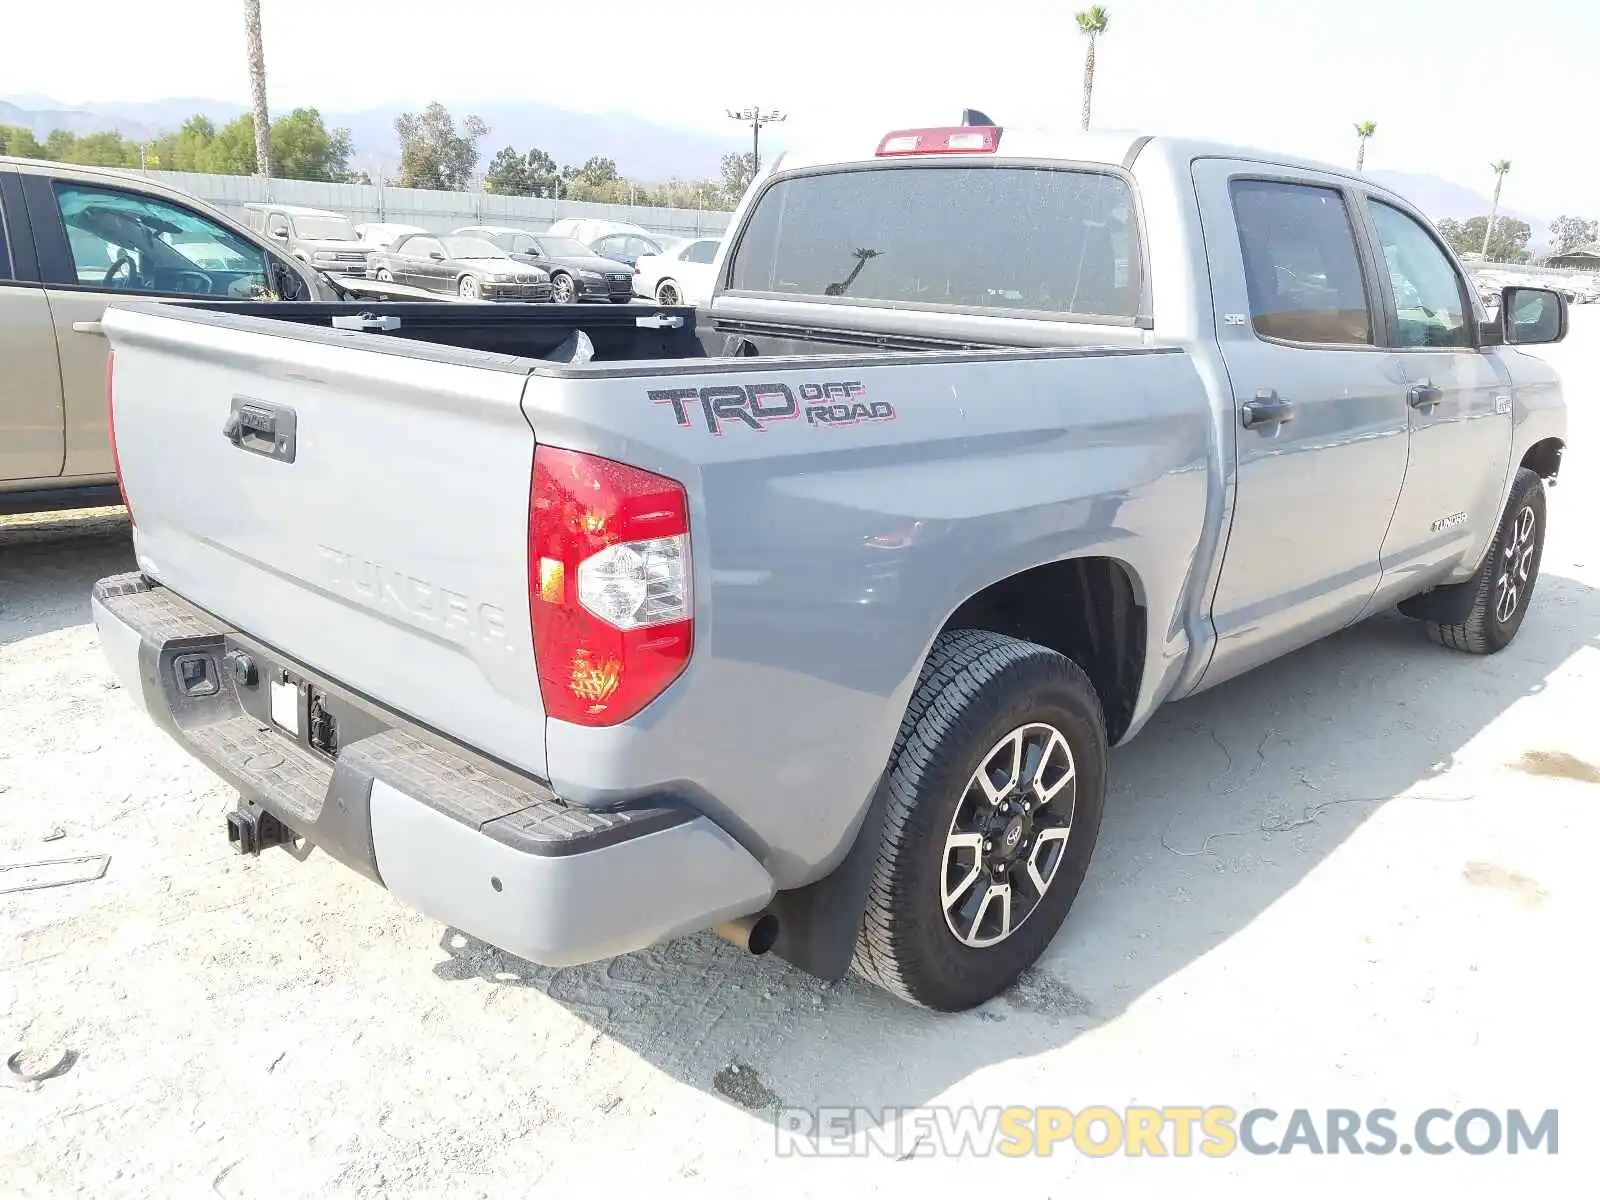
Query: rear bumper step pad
460	837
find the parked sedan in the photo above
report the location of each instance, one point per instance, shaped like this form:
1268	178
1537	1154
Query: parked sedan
472	268
576	272
682	275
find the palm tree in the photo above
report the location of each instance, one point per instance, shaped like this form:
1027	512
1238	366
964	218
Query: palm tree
1499	168
258	84
1092	23
1364	130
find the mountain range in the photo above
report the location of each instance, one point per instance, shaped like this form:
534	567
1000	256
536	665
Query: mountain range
643	150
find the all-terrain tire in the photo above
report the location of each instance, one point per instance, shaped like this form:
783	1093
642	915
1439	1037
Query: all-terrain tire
974	689
1513	561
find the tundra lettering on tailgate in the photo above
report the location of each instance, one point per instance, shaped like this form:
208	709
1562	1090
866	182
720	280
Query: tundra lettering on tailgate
373	585
758	405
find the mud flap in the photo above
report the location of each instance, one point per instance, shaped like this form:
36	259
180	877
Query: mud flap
818	924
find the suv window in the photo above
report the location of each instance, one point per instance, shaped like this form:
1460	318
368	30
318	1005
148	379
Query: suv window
1300	264
1428	296
277	223
1009	238
129	242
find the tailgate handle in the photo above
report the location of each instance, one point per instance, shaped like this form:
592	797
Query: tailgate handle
260	427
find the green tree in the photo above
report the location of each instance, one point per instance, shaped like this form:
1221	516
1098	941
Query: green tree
544	177
304	148
20	142
507	174
102	150
1509	243
432	153
1568	233
233	150
1364	130
185	150
512	173
598	172
738	170
1500	170
1092	23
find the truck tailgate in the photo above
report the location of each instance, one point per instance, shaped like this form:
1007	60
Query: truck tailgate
365	512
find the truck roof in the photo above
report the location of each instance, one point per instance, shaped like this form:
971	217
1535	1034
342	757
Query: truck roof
1112	148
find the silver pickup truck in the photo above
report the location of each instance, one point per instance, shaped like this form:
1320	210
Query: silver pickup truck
813	622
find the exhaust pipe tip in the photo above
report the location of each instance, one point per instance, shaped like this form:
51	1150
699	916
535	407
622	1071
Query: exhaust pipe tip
756	934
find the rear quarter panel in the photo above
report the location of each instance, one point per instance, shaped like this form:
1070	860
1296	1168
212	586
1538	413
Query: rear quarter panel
827	557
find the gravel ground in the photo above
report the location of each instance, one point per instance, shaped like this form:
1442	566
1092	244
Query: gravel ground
1357	877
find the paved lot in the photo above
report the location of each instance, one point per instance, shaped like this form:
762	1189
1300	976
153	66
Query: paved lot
1359	877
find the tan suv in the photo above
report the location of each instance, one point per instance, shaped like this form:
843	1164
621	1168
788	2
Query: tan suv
72	239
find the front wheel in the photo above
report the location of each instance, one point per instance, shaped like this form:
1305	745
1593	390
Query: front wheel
668	295
385	275
1503	586
995	791
563	290
468	287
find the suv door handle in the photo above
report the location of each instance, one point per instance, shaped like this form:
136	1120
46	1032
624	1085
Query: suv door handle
1424	395
1267	409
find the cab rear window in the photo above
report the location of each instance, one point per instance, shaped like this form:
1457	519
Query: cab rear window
1047	240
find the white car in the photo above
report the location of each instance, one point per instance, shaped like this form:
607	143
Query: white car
682	275
380	236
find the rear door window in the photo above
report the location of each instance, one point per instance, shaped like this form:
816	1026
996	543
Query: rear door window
1300	263
1032	239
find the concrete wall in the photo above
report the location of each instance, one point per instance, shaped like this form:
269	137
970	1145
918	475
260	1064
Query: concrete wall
437	212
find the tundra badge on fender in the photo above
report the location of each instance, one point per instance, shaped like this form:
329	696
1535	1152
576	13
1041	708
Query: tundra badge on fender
758	405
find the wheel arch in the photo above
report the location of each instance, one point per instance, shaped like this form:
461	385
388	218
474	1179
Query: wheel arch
1091	608
1543	458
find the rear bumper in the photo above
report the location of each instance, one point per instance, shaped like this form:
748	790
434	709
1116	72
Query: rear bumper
461	839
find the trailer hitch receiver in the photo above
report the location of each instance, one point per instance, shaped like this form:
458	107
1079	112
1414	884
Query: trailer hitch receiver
251	829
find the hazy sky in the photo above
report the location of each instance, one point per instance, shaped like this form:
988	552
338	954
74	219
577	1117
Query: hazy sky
1452	84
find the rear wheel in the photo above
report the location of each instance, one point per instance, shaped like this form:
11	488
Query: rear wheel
563	290
468	287
1504	584
995	791
667	294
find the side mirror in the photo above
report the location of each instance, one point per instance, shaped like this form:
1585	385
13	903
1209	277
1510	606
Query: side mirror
1532	316
281	235
436	256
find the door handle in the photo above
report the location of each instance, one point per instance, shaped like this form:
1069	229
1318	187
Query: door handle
1268	408
1424	395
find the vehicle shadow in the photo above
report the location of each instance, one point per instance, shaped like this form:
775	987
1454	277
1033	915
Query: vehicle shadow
49	563
1220	807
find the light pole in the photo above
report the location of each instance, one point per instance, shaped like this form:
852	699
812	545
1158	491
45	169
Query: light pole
755	118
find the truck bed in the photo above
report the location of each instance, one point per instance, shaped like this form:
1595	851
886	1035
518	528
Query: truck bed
843	499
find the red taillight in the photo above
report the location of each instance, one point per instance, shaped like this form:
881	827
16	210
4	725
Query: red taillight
608	585
111	425
953	139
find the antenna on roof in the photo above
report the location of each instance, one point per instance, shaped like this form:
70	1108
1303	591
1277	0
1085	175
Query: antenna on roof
971	118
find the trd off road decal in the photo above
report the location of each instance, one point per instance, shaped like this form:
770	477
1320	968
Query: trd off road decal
759	405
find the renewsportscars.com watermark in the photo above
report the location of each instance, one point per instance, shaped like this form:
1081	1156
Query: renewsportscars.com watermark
1173	1131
